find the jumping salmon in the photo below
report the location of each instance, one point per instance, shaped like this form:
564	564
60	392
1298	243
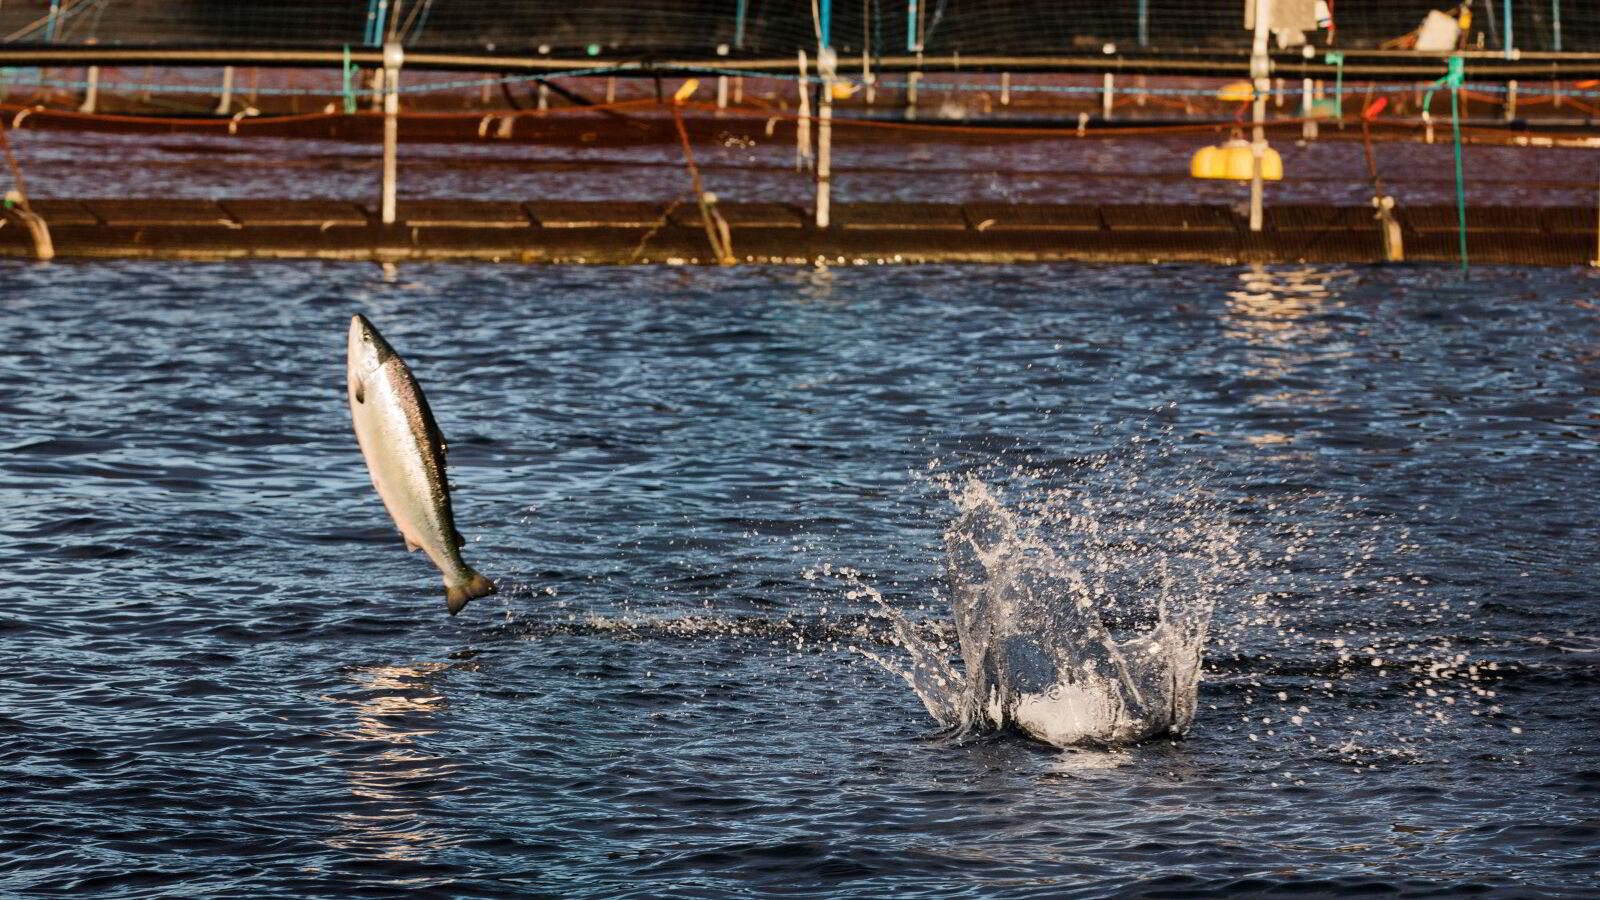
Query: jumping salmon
405	455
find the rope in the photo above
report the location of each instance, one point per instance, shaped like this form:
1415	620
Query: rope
1454	79
1457	69
1336	59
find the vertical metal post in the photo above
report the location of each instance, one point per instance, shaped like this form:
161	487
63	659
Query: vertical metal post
802	127
225	103
913	33
825	26
1144	23
1555	27
827	65
738	25
393	58
1259	71
50	22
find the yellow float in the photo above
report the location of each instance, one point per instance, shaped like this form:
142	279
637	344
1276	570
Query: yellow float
1237	92
1232	160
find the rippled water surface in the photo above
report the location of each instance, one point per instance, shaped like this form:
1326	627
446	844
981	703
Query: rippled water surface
221	674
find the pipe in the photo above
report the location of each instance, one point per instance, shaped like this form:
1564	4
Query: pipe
802	129
1373	64
1259	70
225	102
827	64
393	58
1510	43
91	94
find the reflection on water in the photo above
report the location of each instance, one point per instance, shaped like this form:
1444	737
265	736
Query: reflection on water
1278	302
1279	315
392	775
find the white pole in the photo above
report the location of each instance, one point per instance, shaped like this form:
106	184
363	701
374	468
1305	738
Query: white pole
1511	100
1005	88
1308	128
393	57
544	89
802	129
91	96
1106	94
911	94
1259	70
827	64
225	104
722	83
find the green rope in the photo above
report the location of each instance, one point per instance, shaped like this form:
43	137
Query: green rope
1454	79
349	96
1336	58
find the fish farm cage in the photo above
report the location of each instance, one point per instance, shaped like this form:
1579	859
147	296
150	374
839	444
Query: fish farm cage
1372	114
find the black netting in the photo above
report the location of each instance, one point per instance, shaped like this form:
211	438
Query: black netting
613	28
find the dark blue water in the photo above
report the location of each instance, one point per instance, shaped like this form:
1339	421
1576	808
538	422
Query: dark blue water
221	674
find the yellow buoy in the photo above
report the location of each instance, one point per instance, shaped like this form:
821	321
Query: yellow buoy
1233	161
1237	92
843	89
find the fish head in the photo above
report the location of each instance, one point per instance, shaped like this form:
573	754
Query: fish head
367	351
365	354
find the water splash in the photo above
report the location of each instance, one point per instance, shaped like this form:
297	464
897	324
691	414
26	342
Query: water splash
1080	612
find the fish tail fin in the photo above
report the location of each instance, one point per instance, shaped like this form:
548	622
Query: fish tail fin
457	595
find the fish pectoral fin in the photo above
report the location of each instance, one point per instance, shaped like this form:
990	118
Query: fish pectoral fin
411	546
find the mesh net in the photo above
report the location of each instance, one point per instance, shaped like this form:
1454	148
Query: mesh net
612	28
